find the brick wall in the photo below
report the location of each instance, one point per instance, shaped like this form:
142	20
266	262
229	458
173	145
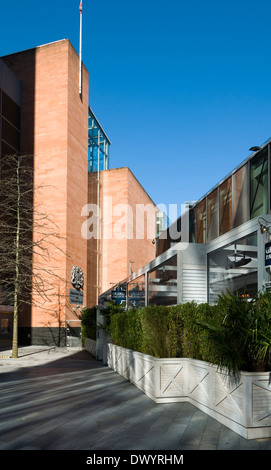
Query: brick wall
55	132
119	188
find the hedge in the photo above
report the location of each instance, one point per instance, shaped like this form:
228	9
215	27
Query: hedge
163	331
88	324
235	333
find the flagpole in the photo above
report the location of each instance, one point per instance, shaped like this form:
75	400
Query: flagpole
80	49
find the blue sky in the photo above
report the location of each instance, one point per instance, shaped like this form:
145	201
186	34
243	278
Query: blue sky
182	88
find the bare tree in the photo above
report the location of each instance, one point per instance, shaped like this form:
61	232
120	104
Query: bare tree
26	234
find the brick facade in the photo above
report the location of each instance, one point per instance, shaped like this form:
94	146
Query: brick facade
55	132
119	190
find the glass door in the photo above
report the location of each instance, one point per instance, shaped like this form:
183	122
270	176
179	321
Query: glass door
5	327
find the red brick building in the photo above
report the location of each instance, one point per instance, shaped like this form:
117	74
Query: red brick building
127	228
54	129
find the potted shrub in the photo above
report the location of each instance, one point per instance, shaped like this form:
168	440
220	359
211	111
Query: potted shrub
240	334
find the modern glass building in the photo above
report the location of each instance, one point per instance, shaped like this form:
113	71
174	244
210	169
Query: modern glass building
218	244
98	145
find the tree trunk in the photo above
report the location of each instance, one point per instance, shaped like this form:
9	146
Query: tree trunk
16	283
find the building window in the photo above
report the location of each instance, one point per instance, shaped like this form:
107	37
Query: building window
98	145
162	283
259	184
11	111
234	268
5	326
225	206
200	222
136	293
10	135
10	121
192	235
240	199
212	215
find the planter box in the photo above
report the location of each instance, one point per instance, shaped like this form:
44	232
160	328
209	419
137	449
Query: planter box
243	405
90	346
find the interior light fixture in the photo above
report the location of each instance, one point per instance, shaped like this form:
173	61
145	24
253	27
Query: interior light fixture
238	263
241	262
238	259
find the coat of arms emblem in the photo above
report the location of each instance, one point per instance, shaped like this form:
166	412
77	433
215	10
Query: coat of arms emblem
77	278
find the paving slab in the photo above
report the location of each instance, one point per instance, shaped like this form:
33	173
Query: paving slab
63	399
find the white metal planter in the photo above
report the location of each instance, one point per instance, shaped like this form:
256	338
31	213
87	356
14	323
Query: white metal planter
90	346
243	405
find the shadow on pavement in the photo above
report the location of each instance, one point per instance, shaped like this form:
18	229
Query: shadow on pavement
38	362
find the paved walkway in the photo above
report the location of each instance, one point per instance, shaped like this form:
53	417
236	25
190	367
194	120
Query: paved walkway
60	399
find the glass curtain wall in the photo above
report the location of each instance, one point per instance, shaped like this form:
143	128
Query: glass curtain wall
225	206
98	145
259	184
244	195
200	222
162	283
240	196
233	268
212	215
